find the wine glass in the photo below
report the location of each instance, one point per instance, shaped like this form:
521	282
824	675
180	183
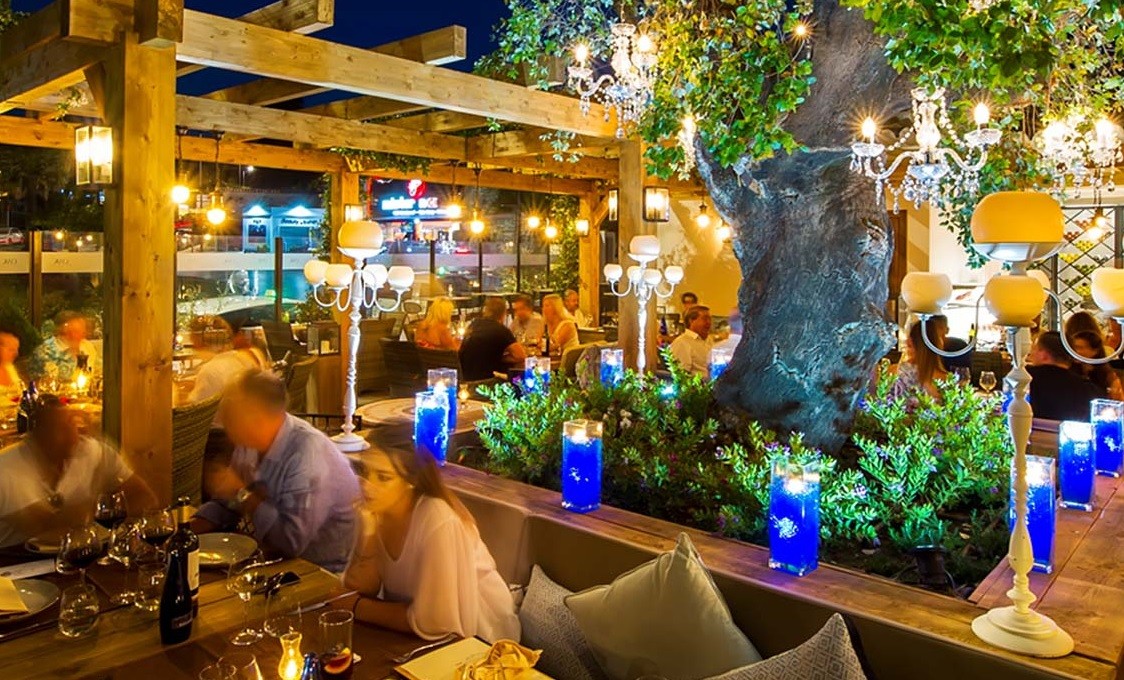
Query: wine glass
125	548
109	513
242	580
283	614
156	527
245	665
987	381
79	549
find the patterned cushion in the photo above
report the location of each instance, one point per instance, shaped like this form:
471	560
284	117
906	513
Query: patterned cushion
549	626
827	655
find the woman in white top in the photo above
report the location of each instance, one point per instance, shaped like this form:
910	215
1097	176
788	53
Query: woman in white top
559	324
419	564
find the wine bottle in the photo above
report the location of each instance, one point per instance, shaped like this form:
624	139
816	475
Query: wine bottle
176	614
186	540
311	670
23	415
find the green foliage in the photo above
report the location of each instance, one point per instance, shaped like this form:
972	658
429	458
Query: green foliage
373	160
564	267
14	319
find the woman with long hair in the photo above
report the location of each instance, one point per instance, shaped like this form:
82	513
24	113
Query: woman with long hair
1082	322
419	564
436	330
1091	346
560	326
920	367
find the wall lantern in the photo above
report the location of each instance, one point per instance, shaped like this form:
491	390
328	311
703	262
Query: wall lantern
354	212
581	227
614	205
657	204
93	155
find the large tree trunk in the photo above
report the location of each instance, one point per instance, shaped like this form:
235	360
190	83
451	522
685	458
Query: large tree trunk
814	246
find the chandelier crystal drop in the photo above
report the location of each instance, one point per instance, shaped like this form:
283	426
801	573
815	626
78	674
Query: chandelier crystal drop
1077	153
935	173
628	89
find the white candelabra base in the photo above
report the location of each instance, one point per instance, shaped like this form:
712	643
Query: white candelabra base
1030	633
349	442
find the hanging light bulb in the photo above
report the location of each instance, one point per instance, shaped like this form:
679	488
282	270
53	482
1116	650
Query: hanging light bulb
455	209
476	226
723	232
534	221
702	220
216	214
181	194
60	235
550	232
1098	226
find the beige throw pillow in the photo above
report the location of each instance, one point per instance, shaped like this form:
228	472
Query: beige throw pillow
827	655
665	617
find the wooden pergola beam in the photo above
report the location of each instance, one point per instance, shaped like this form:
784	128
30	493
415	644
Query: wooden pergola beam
439	121
442	46
522	143
43	71
362	108
585	168
491	179
238	46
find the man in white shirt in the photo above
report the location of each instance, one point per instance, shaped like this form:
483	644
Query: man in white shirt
526	324
570	302
692	349
50	481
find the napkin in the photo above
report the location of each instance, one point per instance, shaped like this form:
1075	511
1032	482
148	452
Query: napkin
10	600
506	660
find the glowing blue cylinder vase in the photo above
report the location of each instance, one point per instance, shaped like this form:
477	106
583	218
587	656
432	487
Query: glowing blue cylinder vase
581	465
445	380
431	423
1041	509
794	517
1107	417
536	374
1076	472
720	358
612	366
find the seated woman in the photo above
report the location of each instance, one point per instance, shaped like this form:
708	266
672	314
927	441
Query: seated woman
419	563
560	326
436	330
11	384
1080	322
920	367
1091	346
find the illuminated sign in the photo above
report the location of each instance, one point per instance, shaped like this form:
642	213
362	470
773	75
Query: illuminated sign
405	207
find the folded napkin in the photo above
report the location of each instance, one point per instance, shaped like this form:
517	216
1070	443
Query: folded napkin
10	600
506	660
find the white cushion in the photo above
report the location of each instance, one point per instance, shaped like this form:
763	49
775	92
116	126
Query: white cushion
549	626
666	618
827	655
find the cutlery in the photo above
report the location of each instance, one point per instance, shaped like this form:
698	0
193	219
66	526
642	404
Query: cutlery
425	648
42	625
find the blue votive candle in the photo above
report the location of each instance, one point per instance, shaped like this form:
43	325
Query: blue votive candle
612	366
445	380
1041	512
720	358
581	465
536	374
431	423
1076	473
794	517
1108	429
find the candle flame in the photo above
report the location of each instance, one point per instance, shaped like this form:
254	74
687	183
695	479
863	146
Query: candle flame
869	128
981	114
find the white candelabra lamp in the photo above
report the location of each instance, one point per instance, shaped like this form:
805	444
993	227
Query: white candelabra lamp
343	287
1017	228
643	283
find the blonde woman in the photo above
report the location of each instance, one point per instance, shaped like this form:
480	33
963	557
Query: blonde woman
436	330
560	326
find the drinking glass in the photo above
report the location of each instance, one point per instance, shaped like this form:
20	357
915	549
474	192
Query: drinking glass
218	671
335	641
124	547
962	373
156	528
78	610
245	665
988	381
79	549
150	582
110	512
283	614
242	580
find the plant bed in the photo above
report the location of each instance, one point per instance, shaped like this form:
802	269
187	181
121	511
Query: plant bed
916	471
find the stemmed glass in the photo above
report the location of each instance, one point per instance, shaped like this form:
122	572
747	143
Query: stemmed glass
242	580
987	381
110	512
123	547
283	614
79	549
156	527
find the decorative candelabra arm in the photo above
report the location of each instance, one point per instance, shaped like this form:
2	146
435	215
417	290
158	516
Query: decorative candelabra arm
1069	348
394	305
941	352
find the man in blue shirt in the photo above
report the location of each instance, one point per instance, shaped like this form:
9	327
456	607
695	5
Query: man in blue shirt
285	477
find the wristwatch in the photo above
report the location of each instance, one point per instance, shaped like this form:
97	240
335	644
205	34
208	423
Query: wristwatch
235	504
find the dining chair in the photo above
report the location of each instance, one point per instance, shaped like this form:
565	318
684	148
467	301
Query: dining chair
297	378
190	426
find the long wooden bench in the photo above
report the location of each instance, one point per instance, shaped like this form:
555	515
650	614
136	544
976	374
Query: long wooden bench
905	632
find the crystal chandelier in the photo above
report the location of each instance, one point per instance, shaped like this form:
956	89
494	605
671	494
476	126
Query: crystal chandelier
935	173
628	89
1078	153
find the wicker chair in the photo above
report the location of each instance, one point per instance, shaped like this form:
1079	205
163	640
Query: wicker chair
404	373
279	337
588	335
370	369
439	358
190	426
296	383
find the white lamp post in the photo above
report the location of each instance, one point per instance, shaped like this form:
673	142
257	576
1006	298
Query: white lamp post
643	283
355	286
1017	228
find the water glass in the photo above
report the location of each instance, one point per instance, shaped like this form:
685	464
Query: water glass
283	614
244	664
218	671
150	584
78	610
335	642
124	547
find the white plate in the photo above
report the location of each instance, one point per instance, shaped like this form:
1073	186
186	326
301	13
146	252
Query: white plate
220	550
37	595
51	543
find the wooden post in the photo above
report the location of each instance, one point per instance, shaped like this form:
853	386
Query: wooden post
631	223
140	251
589	262
278	279
35	279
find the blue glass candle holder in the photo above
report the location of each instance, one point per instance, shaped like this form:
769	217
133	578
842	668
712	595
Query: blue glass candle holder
536	374
445	380
581	465
720	358
1076	472
1107	417
794	517
1041	509
612	366
431	423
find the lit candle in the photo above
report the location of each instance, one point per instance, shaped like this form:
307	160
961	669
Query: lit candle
612	366
431	423
291	662
536	374
1108	429
719	359
81	380
581	465
981	114
1040	509
1076	473
869	128
794	517
581	53
445	380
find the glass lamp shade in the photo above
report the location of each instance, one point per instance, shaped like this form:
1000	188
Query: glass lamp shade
338	275
550	232
1041	277
353	212
646	247
374	276
1018	217
93	155
673	274
926	292
314	271
613	272
614	201
657	204
1108	290
635	274
1014	299
652	277
360	239
581	227
400	277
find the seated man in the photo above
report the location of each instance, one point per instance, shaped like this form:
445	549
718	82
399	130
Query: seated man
573	306
692	348
50	481
285	476
489	347
526	324
1056	391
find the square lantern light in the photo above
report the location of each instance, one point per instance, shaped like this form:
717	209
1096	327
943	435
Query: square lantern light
93	155
657	204
614	205
354	212
581	227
